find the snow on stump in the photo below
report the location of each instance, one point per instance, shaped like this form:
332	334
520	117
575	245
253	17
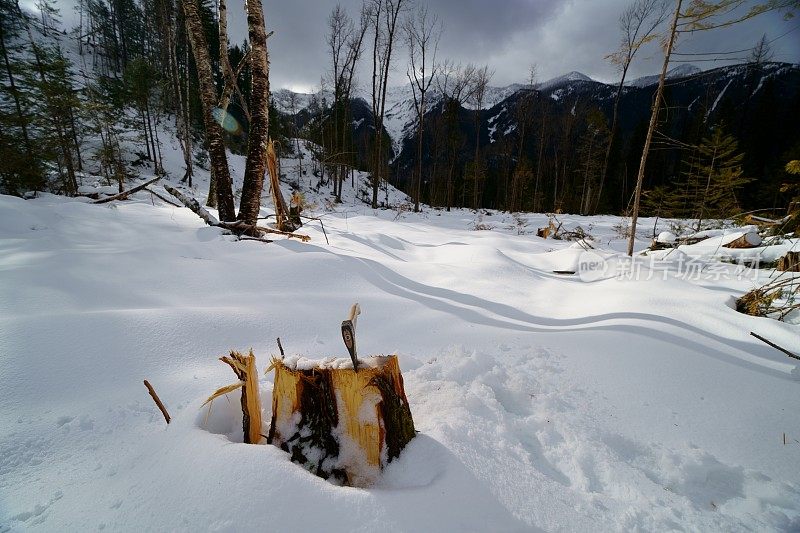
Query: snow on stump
342	424
751	239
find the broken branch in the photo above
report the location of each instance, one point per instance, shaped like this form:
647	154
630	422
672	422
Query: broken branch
125	194
784	350
157	400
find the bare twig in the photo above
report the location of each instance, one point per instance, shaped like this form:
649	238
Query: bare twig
784	350
157	400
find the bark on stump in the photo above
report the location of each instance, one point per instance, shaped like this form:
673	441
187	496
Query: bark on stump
341	424
789	262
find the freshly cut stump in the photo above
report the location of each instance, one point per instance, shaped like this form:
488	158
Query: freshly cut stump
748	240
340	424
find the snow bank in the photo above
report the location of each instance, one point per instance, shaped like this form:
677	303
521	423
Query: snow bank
544	402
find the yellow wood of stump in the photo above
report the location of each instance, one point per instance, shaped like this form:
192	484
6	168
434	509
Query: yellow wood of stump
352	390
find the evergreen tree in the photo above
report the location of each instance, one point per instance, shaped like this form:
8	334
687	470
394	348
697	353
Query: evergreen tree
712	176
56	104
21	170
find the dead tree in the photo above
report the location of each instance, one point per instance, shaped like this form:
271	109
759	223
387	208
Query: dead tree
637	24
422	33
652	126
384	17
478	93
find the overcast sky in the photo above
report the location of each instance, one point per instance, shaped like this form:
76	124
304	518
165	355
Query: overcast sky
559	36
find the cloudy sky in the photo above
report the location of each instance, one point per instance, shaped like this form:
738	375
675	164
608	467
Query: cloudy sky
558	36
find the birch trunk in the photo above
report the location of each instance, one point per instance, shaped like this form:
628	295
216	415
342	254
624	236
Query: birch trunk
216	146
259	122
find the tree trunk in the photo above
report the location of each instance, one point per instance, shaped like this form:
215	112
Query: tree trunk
339	423
651	128
216	145
789	262
614	118
259	123
15	94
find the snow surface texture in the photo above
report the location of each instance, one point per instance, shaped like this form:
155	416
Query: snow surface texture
544	402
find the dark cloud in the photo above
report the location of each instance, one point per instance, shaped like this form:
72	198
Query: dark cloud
508	35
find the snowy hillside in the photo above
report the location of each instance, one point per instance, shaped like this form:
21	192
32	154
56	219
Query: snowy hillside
681	71
632	400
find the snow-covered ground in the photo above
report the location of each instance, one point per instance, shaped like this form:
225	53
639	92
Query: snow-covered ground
633	399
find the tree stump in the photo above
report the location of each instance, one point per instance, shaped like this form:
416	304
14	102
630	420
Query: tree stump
790	262
748	240
338	423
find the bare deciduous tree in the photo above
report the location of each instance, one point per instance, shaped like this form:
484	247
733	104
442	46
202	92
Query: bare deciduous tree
422	32
384	17
480	82
345	43
637	25
700	15
454	84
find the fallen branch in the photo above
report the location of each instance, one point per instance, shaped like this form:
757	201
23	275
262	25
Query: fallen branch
784	350
154	193
194	205
259	239
157	400
324	233
304	238
125	194
237	227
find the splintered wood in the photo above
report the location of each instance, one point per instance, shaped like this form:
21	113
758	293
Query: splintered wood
341	424
244	366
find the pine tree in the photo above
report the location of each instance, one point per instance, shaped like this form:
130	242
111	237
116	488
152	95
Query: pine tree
56	104
21	169
712	175
141	80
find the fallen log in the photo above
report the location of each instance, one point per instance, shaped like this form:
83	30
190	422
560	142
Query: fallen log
237	227
154	193
125	194
194	205
337	423
750	239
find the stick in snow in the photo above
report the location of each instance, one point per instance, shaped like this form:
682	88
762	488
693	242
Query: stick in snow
125	194
157	400
784	350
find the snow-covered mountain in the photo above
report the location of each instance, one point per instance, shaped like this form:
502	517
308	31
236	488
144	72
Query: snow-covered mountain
681	71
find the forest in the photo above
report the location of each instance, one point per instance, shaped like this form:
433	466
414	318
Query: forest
530	151
432	289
